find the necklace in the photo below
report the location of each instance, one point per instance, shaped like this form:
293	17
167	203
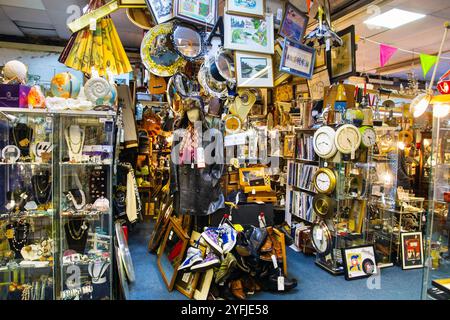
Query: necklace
16	243
40	193
75	147
24	142
77	234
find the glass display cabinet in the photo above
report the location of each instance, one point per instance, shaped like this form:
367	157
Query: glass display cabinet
437	236
84	195
27	216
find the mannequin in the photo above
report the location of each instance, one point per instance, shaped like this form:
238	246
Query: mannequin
194	180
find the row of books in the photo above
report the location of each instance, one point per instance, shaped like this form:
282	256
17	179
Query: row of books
300	205
305	147
300	175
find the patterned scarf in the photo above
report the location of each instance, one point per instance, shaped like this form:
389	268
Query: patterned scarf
189	146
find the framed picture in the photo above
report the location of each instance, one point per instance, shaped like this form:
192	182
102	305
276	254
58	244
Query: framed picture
161	10
412	250
289	146
203	12
203	285
249	33
359	262
321	60
278	76
318	83
251	8
253	70
276	8
342	61
294	24
298	59
131	3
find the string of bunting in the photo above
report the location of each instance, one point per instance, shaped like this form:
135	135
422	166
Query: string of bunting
386	52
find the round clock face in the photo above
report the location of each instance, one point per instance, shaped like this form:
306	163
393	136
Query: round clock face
323	205
232	124
321	237
324	180
348	139
369	136
324	144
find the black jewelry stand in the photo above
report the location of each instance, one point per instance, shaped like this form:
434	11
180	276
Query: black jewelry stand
78	245
19	233
18	133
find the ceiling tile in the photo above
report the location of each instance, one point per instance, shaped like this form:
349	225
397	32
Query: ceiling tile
24	14
8	27
31	4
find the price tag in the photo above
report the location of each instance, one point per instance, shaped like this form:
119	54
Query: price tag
280	283
274	261
328	44
262	221
200	157
92	24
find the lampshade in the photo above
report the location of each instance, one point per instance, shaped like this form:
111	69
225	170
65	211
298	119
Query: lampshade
420	104
441	110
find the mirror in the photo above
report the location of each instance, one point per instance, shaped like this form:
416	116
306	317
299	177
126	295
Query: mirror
184	86
210	85
224	62
124	252
160	227
171	252
187	42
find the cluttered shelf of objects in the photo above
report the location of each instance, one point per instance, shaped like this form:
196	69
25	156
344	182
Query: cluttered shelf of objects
241	133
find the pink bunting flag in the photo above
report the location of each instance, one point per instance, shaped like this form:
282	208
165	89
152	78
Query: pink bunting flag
386	52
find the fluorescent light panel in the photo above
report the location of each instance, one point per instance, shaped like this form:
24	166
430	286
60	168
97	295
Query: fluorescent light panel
394	18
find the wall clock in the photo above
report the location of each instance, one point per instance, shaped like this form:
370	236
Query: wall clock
324	142
368	136
232	124
321	237
323	206
324	180
348	139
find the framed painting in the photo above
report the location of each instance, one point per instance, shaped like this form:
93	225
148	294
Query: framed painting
253	70
162	10
249	33
341	61
202	12
250	8
289	146
294	24
359	262
298	59
278	76
318	83
412	250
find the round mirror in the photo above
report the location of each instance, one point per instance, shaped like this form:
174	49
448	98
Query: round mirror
184	86
210	85
187	42
224	62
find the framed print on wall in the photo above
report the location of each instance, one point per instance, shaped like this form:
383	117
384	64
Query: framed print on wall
278	76
249	33
251	8
412	250
341	61
321	60
202	12
298	59
359	262
161	10
294	23
253	70
318	83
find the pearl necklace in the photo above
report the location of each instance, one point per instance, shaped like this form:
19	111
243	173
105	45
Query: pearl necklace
74	144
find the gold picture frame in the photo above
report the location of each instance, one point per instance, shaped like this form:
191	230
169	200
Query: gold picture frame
289	146
278	76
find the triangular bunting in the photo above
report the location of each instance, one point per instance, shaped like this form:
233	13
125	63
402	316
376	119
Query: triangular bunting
308	5
427	62
386	52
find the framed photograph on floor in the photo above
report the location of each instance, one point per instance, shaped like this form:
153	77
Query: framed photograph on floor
161	10
341	61
251	8
202	12
249	34
298	59
359	262
203	285
253	70
412	250
318	83
294	24
278	76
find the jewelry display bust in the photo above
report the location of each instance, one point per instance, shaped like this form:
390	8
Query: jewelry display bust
75	136
77	234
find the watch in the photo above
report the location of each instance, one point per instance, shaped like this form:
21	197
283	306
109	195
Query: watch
368	136
321	237
323	142
348	139
324	180
323	206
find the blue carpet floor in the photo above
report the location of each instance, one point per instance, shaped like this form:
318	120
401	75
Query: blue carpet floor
314	283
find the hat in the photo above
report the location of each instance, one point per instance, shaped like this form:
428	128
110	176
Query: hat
140	17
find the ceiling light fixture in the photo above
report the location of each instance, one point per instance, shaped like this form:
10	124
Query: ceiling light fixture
394	18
